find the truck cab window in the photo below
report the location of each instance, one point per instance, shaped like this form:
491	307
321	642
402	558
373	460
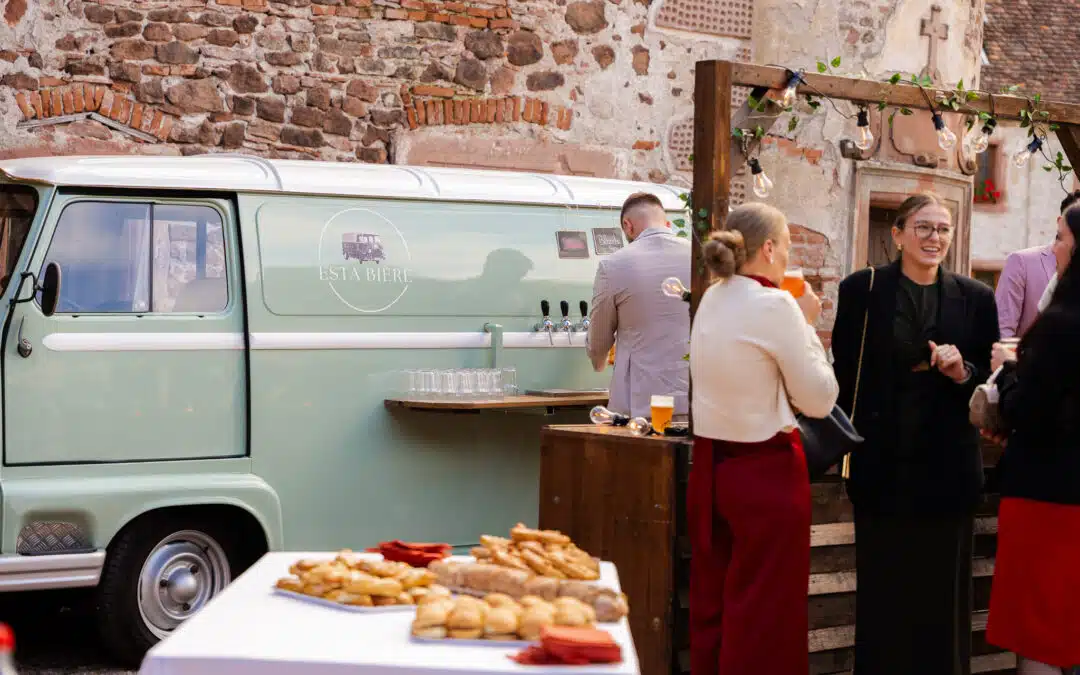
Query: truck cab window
18	204
103	249
124	257
189	259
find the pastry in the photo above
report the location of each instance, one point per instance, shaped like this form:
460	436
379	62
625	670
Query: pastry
535	618
500	600
501	621
542	587
290	584
369	585
465	633
521	533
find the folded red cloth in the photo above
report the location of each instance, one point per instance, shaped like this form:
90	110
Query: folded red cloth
571	646
415	554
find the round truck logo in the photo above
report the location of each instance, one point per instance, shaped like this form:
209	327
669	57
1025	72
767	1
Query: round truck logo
364	260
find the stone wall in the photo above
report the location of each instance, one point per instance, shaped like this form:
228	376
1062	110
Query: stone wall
592	87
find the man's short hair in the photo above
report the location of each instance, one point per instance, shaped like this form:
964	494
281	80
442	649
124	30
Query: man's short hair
639	199
1073	198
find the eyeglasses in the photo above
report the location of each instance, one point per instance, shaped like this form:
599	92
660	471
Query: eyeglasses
924	230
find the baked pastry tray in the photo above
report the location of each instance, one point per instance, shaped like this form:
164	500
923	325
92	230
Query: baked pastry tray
458	642
355	609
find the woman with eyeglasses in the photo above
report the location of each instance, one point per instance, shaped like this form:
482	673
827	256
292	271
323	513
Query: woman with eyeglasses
925	337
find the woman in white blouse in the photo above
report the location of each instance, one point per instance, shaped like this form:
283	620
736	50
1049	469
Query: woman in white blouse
754	359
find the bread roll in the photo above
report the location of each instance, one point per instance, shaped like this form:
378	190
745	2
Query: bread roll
535	618
501	621
465	633
430	633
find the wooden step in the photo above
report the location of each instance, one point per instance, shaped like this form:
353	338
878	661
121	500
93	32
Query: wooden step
843	534
843	637
984	663
844	582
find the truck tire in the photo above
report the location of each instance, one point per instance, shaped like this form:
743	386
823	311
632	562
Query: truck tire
160	570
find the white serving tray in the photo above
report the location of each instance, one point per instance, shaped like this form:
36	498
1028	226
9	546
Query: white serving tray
457	642
355	609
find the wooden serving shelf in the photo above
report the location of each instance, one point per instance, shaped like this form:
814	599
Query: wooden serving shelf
524	402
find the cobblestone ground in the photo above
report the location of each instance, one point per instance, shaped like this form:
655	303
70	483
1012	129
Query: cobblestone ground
55	634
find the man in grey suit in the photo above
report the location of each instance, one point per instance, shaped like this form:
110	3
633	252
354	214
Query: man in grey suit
653	329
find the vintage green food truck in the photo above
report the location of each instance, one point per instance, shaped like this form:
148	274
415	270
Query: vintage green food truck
196	354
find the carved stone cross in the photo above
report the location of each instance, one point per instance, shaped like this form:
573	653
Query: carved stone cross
935	30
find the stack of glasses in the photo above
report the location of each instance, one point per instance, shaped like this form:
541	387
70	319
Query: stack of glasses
463	384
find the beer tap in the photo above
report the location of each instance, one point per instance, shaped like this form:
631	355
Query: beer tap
545	324
584	325
566	326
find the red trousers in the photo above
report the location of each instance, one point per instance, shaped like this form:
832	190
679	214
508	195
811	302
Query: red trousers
749	518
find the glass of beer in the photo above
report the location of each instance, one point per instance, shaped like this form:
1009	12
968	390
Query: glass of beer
663	408
1011	344
794	282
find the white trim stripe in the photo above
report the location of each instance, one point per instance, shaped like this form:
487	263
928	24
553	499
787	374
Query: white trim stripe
141	342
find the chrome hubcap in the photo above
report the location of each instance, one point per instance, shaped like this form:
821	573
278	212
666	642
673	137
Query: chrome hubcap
181	574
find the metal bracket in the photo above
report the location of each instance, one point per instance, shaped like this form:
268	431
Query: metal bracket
496	332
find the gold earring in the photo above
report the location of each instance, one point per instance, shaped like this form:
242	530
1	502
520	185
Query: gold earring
899	247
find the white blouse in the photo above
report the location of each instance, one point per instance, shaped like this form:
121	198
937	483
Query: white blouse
753	357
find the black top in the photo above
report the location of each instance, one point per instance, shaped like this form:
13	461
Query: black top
1040	403
921	454
913	328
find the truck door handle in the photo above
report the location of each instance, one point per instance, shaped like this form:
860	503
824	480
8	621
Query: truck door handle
24	347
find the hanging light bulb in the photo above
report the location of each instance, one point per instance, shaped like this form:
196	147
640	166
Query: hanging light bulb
639	426
601	415
980	141
673	288
791	90
762	184
946	139
1021	158
864	139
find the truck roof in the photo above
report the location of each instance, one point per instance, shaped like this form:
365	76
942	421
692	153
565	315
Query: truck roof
244	173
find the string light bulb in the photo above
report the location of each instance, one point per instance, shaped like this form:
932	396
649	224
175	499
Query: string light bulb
639	426
602	416
791	90
980	141
864	138
1021	158
673	288
762	184
946	139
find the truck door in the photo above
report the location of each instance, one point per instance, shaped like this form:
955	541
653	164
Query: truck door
144	358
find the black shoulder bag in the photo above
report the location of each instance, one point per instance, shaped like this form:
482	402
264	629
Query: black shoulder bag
829	440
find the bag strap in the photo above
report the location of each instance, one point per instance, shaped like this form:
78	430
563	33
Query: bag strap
845	469
862	347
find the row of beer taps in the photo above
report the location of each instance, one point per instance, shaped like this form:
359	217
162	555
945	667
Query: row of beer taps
567	326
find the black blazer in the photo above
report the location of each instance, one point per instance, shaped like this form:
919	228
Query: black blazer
1040	404
945	473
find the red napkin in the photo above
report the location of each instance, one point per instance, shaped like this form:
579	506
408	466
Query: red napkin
416	554
563	645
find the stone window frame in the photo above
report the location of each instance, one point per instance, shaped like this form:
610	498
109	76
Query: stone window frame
999	174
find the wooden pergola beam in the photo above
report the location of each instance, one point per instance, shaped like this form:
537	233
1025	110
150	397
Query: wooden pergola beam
1005	107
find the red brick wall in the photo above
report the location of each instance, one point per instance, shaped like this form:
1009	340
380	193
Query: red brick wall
809	250
327	79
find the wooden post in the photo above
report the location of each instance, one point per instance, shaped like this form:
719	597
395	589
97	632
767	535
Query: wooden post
712	163
1069	136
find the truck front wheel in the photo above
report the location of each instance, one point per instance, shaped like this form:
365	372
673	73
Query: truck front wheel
160	571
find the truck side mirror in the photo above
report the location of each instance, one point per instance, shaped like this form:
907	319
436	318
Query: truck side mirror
50	289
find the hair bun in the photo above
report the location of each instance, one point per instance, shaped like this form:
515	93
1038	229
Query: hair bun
724	252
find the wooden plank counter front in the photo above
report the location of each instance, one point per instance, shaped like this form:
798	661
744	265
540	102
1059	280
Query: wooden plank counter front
619	497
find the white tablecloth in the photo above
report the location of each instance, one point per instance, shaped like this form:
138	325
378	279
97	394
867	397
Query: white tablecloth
250	630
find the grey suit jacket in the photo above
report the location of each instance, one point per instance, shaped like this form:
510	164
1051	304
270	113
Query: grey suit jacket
653	329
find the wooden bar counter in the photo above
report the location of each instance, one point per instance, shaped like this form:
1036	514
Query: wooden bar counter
620	497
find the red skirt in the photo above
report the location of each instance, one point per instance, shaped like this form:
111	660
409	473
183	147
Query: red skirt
1035	601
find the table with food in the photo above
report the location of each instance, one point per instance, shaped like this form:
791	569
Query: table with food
531	602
